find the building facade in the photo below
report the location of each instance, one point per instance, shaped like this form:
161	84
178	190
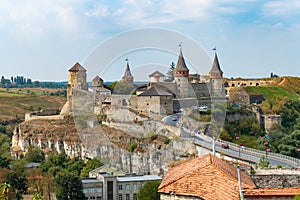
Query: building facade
107	186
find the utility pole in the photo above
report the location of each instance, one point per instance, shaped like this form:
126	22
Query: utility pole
240	183
213	146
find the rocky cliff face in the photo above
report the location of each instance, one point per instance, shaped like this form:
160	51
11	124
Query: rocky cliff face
112	145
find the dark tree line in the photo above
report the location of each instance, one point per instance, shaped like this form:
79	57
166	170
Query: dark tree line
20	81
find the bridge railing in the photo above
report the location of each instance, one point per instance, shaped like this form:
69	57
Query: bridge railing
227	152
258	153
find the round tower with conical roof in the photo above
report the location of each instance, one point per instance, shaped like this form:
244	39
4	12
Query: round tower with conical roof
216	77
181	74
127	77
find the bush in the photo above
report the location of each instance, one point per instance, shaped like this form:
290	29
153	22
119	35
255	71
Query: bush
132	146
167	141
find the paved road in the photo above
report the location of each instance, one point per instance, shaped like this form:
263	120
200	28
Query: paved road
238	153
171	119
246	154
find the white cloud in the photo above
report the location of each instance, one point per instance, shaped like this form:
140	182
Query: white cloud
37	18
283	8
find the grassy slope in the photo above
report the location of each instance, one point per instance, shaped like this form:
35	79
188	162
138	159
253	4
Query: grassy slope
282	86
14	104
283	89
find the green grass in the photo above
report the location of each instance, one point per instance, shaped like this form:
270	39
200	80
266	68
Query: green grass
273	92
5	94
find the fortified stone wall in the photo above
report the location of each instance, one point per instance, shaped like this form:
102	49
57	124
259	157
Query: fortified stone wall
239	97
247	82
124	100
271	120
276	180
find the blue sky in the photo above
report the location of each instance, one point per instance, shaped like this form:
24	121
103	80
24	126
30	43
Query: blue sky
43	39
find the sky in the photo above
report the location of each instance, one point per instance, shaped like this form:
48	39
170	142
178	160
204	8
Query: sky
42	39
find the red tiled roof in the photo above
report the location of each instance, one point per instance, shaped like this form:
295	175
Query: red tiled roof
207	177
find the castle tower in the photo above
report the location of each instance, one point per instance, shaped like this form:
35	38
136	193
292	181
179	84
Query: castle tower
77	80
181	74
97	81
216	78
127	74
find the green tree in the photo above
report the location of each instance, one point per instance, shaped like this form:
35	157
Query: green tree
4	162
123	88
75	166
149	191
34	154
5	190
5	146
170	73
37	196
90	165
18	183
263	162
68	187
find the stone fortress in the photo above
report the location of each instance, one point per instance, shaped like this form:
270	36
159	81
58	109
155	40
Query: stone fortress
136	114
158	97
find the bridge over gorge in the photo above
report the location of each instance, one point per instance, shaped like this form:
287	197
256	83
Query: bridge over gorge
245	154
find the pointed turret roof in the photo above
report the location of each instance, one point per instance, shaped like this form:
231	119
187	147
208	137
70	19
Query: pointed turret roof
77	67
216	66
127	73
97	78
157	73
181	66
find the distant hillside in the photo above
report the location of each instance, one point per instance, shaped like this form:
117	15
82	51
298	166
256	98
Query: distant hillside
283	89
281	86
14	103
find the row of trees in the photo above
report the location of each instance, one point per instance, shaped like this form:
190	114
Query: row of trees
20	81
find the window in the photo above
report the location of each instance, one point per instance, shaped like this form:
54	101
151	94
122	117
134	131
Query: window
120	197
134	187
98	189
85	190
134	197
127	196
120	187
127	187
92	190
99	198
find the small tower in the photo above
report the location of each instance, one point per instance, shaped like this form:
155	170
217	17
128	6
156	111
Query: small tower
77	80
216	77
156	77
77	77
127	74
97	82
181	74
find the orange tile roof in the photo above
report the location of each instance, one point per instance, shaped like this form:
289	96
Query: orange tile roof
207	177
272	192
